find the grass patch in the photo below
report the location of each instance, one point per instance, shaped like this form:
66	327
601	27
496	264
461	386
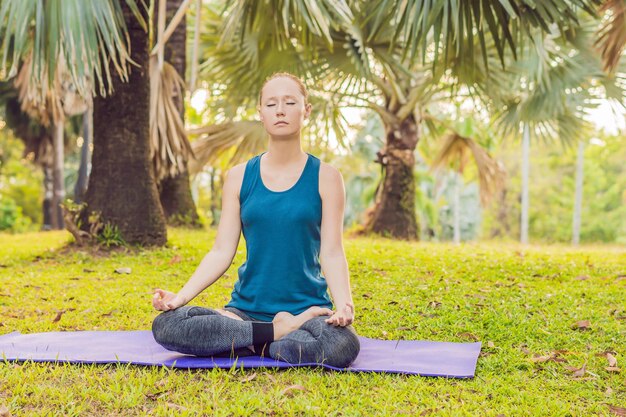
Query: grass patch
523	303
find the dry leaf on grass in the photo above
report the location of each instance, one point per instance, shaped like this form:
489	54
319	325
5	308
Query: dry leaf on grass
468	336
578	372
270	377
582	325
490	344
176	406
581	278
608	391
618	411
175	259
612	360
123	270
4	411
554	357
614	369
291	389
248	378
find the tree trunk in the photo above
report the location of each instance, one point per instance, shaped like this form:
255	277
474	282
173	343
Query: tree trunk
578	199
175	192
58	177
457	207
121	185
47	197
525	175
394	209
83	171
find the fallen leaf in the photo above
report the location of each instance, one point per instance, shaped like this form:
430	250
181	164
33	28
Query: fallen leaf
291	389
490	344
123	270
554	357
176	259
58	316
608	392
582	325
614	369
581	278
612	360
525	350
176	406
4	411
109	314
578	372
270	377
434	304
468	336
366	295
248	378
618	411
154	396
89	270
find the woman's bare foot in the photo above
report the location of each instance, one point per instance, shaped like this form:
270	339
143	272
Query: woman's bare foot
228	314
285	322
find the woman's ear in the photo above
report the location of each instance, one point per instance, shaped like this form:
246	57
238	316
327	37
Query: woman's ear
307	110
258	110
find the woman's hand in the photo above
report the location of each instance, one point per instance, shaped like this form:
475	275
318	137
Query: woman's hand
342	317
166	300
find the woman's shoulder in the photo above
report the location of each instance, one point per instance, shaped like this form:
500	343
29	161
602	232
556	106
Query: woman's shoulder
330	181
328	172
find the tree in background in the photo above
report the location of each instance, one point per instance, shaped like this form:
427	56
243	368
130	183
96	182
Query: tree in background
369	62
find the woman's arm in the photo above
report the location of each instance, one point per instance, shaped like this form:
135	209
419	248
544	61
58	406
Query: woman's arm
219	258
332	255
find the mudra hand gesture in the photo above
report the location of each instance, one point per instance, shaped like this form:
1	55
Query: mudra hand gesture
343	316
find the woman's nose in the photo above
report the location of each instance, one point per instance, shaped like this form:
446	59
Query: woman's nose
280	109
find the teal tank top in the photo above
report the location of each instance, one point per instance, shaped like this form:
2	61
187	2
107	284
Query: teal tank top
282	271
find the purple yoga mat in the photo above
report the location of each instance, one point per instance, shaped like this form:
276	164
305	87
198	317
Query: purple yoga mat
451	360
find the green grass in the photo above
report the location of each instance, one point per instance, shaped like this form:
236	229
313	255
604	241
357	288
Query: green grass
524	300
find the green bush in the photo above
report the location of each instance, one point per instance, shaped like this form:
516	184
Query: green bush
11	217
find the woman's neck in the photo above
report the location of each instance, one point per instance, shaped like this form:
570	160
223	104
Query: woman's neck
284	152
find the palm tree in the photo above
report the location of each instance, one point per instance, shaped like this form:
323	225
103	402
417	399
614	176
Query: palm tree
368	63
121	187
92	38
551	87
174	189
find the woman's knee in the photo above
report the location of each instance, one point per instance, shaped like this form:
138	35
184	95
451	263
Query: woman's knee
319	342
164	325
346	347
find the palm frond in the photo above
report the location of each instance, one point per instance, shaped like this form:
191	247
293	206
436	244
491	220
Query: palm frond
59	99
611	38
312	18
89	36
169	147
249	138
454	24
456	151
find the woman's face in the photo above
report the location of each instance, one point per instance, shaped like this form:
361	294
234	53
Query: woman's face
282	109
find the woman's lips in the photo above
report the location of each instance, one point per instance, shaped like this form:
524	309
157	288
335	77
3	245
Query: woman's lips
280	123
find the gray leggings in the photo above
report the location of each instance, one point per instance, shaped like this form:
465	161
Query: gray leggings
205	332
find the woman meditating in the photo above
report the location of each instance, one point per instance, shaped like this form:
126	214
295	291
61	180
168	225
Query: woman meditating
289	206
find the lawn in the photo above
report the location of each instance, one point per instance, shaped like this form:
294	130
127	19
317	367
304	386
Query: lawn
550	318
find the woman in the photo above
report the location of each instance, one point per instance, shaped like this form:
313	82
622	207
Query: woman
289	206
